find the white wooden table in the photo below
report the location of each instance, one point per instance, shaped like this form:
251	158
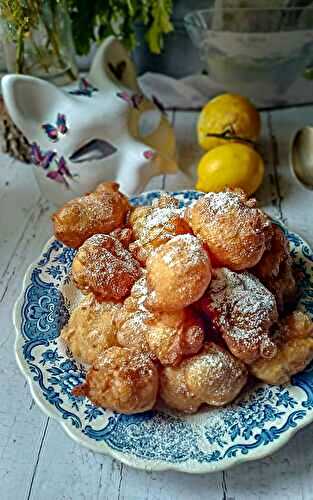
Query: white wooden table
37	460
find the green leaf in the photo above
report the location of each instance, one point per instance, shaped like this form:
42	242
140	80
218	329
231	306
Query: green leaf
95	19
161	24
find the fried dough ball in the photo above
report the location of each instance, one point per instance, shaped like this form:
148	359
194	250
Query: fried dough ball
175	392
275	269
91	329
105	268
132	328
122	380
244	311
294	353
213	377
233	229
99	212
131	320
178	274
124	235
174	335
155	225
170	337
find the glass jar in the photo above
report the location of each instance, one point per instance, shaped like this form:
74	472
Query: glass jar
46	50
261	53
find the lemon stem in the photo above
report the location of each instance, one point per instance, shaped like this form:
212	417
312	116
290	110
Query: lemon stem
228	135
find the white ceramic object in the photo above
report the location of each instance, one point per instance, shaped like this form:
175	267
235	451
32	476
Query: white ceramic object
101	129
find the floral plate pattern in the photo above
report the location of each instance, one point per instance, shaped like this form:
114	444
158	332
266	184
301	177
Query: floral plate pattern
259	422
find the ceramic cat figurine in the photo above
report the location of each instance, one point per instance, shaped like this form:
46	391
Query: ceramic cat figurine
101	129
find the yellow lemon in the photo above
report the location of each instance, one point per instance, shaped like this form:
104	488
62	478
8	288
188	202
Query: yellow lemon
232	165
228	114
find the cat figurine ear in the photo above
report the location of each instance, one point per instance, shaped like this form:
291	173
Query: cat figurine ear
33	103
112	64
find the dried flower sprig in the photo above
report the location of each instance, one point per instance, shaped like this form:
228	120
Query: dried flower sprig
22	17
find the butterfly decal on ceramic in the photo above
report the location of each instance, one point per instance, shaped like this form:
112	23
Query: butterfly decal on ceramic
48	159
85	88
53	131
41	158
61	173
134	100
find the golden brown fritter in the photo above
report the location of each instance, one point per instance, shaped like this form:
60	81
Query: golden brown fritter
102	211
124	235
105	268
232	228
243	311
175	335
175	392
170	337
178	273
155	225
123	380
91	329
275	269
132	318
213	376
294	351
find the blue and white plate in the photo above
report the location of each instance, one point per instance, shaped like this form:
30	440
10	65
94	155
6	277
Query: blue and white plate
257	424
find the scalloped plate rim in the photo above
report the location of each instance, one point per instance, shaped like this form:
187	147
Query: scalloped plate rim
104	448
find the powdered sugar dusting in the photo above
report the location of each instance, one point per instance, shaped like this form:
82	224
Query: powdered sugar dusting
233	229
242	308
160	220
105	267
98	212
215	374
221	203
140	292
185	264
191	246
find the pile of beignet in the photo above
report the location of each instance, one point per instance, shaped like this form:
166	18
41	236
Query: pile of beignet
182	304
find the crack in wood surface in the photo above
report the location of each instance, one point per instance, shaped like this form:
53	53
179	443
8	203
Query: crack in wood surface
4	293
275	165
120	481
28	496
224	486
100	482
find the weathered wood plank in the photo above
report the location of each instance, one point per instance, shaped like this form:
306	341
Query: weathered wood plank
19	196
295	201
286	474
137	485
69	471
22	424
